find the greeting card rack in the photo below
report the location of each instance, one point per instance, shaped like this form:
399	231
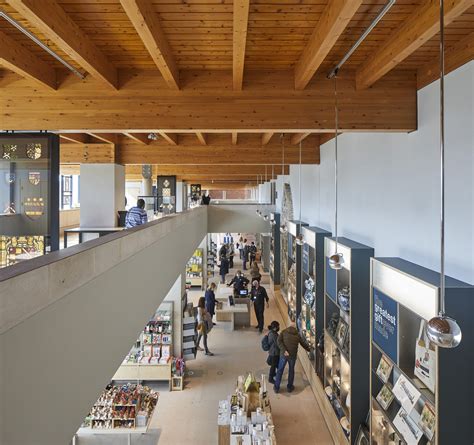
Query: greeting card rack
311	318
346	338
275	250
420	394
295	282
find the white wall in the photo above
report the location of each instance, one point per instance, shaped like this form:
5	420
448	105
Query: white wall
389	183
280	180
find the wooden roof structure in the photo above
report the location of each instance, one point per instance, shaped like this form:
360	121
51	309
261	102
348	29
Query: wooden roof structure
218	80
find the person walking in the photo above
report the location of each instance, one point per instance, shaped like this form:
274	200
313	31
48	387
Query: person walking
203	326
255	272
259	297
223	268
274	351
231	255
137	215
210	299
245	254
288	342
252	253
241	247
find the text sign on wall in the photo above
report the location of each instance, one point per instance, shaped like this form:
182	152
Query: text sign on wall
305	259
385	324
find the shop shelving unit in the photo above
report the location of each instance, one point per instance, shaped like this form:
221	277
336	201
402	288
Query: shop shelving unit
295	283
346	339
275	247
194	269
211	257
438	410
311	319
189	330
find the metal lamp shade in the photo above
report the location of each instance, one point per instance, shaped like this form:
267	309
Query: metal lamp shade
336	261
300	240
444	331
283	229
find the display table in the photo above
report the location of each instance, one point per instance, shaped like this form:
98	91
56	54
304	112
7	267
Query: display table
227	313
138	372
118	431
101	231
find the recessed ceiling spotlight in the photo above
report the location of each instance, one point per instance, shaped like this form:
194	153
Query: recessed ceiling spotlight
152	136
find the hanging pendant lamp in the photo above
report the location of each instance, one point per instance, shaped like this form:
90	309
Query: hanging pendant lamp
299	238
336	260
442	330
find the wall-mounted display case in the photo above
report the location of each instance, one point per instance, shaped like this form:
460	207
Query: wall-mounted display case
311	318
347	337
420	394
275	249
295	279
29	195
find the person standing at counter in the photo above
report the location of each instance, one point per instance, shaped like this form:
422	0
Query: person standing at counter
210	299
137	215
259	297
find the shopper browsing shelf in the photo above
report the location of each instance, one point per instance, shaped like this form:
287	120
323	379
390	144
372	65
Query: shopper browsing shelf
288	342
210	299
259	298
136	216
204	325
273	350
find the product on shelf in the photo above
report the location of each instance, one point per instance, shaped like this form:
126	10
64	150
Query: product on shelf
194	268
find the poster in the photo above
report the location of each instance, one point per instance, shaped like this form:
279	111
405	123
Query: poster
407	427
385	324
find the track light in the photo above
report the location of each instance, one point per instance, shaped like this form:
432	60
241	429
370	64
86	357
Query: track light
283	229
265	217
152	137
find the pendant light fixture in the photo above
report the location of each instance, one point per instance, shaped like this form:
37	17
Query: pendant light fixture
299	237
442	330
336	260
283	228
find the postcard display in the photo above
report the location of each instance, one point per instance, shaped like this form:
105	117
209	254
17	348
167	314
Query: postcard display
311	318
275	250
295	283
347	337
151	356
29	195
194	269
420	394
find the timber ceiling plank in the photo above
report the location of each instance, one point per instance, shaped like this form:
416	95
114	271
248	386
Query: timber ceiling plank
78	138
139	137
240	25
108	138
22	61
171	138
298	137
52	20
419	28
334	19
147	23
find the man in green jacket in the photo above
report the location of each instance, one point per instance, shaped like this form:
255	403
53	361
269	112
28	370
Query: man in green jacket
288	342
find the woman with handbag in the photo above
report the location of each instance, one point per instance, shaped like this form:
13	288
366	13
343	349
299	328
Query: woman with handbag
204	325
274	352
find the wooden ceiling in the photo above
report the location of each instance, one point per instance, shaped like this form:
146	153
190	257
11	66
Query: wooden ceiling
244	69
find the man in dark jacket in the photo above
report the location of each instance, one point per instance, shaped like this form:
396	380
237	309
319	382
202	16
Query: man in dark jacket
223	268
210	298
288	342
239	282
259	298
245	254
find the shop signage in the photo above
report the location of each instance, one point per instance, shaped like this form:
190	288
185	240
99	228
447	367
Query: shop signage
385	324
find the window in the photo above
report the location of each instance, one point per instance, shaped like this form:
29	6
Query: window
69	192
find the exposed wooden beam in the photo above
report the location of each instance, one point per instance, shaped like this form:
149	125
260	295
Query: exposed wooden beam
240	20
298	137
234	138
205	104
22	61
171	138
325	137
147	24
108	138
415	31
266	138
78	138
51	19
455	56
334	19
139	137
201	138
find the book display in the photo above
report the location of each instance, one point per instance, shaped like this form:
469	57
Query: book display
275	249
29	196
346	337
295	281
311	319
414	385
194	272
126	407
150	358
245	416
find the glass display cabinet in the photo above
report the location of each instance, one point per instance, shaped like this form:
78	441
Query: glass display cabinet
295	278
275	250
29	196
311	318
420	394
347	337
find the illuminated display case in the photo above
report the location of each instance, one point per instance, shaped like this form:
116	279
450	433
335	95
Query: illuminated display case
347	337
419	393
29	195
275	249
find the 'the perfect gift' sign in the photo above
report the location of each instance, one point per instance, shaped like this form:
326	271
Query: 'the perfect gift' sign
385	324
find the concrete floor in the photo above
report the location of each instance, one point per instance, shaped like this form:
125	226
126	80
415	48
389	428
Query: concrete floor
190	417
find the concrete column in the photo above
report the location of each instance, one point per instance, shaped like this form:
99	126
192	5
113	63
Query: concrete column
102	189
180	196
